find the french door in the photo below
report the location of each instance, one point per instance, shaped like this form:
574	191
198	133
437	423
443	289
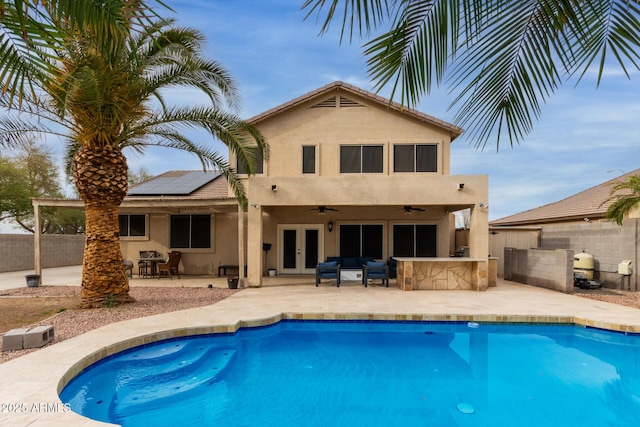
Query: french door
300	248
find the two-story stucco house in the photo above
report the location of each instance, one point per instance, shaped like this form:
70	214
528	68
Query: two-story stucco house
349	174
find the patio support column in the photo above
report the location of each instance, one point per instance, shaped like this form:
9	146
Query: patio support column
479	246
254	245
37	241
241	245
478	235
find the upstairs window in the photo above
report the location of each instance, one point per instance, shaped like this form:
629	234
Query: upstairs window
259	163
309	159
415	158
132	225
361	159
190	231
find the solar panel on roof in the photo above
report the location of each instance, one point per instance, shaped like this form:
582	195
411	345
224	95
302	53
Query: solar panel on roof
176	186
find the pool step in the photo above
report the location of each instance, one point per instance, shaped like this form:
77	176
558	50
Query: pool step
169	382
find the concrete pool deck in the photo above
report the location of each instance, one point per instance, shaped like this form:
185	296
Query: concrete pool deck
29	385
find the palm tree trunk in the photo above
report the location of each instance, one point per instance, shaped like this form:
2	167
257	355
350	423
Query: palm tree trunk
101	179
103	274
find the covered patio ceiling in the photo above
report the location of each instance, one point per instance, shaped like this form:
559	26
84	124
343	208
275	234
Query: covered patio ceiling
130	204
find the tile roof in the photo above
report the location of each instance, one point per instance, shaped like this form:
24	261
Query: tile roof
453	129
591	203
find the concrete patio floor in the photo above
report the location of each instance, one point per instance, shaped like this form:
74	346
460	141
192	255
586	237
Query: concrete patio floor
29	385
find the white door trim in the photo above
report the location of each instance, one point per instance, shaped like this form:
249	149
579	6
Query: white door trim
300	243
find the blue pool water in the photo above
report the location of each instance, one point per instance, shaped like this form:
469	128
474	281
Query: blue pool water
297	373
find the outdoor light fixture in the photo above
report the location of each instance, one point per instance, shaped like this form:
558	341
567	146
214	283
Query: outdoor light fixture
330	226
274	187
461	186
484	206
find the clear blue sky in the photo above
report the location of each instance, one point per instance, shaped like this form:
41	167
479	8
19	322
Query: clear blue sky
585	136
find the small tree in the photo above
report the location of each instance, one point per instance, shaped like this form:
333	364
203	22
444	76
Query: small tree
141	175
14	195
32	173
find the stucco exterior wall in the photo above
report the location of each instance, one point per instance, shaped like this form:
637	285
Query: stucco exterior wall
282	194
58	250
329	128
193	261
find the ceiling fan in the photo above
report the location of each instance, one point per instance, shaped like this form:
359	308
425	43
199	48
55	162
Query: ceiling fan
322	210
408	209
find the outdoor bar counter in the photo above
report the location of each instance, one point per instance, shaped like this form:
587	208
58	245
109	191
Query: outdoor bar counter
454	273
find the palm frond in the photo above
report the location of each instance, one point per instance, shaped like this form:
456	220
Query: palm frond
211	160
359	16
506	74
32	32
15	131
625	196
239	136
611	27
502	59
414	54
175	58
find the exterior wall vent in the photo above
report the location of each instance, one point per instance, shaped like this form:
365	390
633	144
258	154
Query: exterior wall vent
346	102
328	103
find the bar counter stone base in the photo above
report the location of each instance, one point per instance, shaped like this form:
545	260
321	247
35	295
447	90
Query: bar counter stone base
442	274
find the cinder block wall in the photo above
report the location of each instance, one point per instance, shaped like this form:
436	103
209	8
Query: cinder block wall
552	269
608	242
58	250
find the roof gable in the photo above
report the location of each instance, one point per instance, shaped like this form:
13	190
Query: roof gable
347	97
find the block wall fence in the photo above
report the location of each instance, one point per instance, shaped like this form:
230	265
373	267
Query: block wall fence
58	250
608	242
552	269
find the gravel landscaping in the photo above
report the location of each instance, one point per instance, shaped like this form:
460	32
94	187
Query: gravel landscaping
153	300
149	301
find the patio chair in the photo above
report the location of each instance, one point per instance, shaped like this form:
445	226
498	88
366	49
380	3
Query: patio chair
170	266
128	268
375	270
328	270
143	266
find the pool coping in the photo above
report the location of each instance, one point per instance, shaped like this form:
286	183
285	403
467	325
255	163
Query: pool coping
36	378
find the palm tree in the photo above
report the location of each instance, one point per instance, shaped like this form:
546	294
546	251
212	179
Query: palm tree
103	102
502	58
625	196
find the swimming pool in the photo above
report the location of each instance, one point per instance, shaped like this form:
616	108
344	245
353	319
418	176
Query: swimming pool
320	373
